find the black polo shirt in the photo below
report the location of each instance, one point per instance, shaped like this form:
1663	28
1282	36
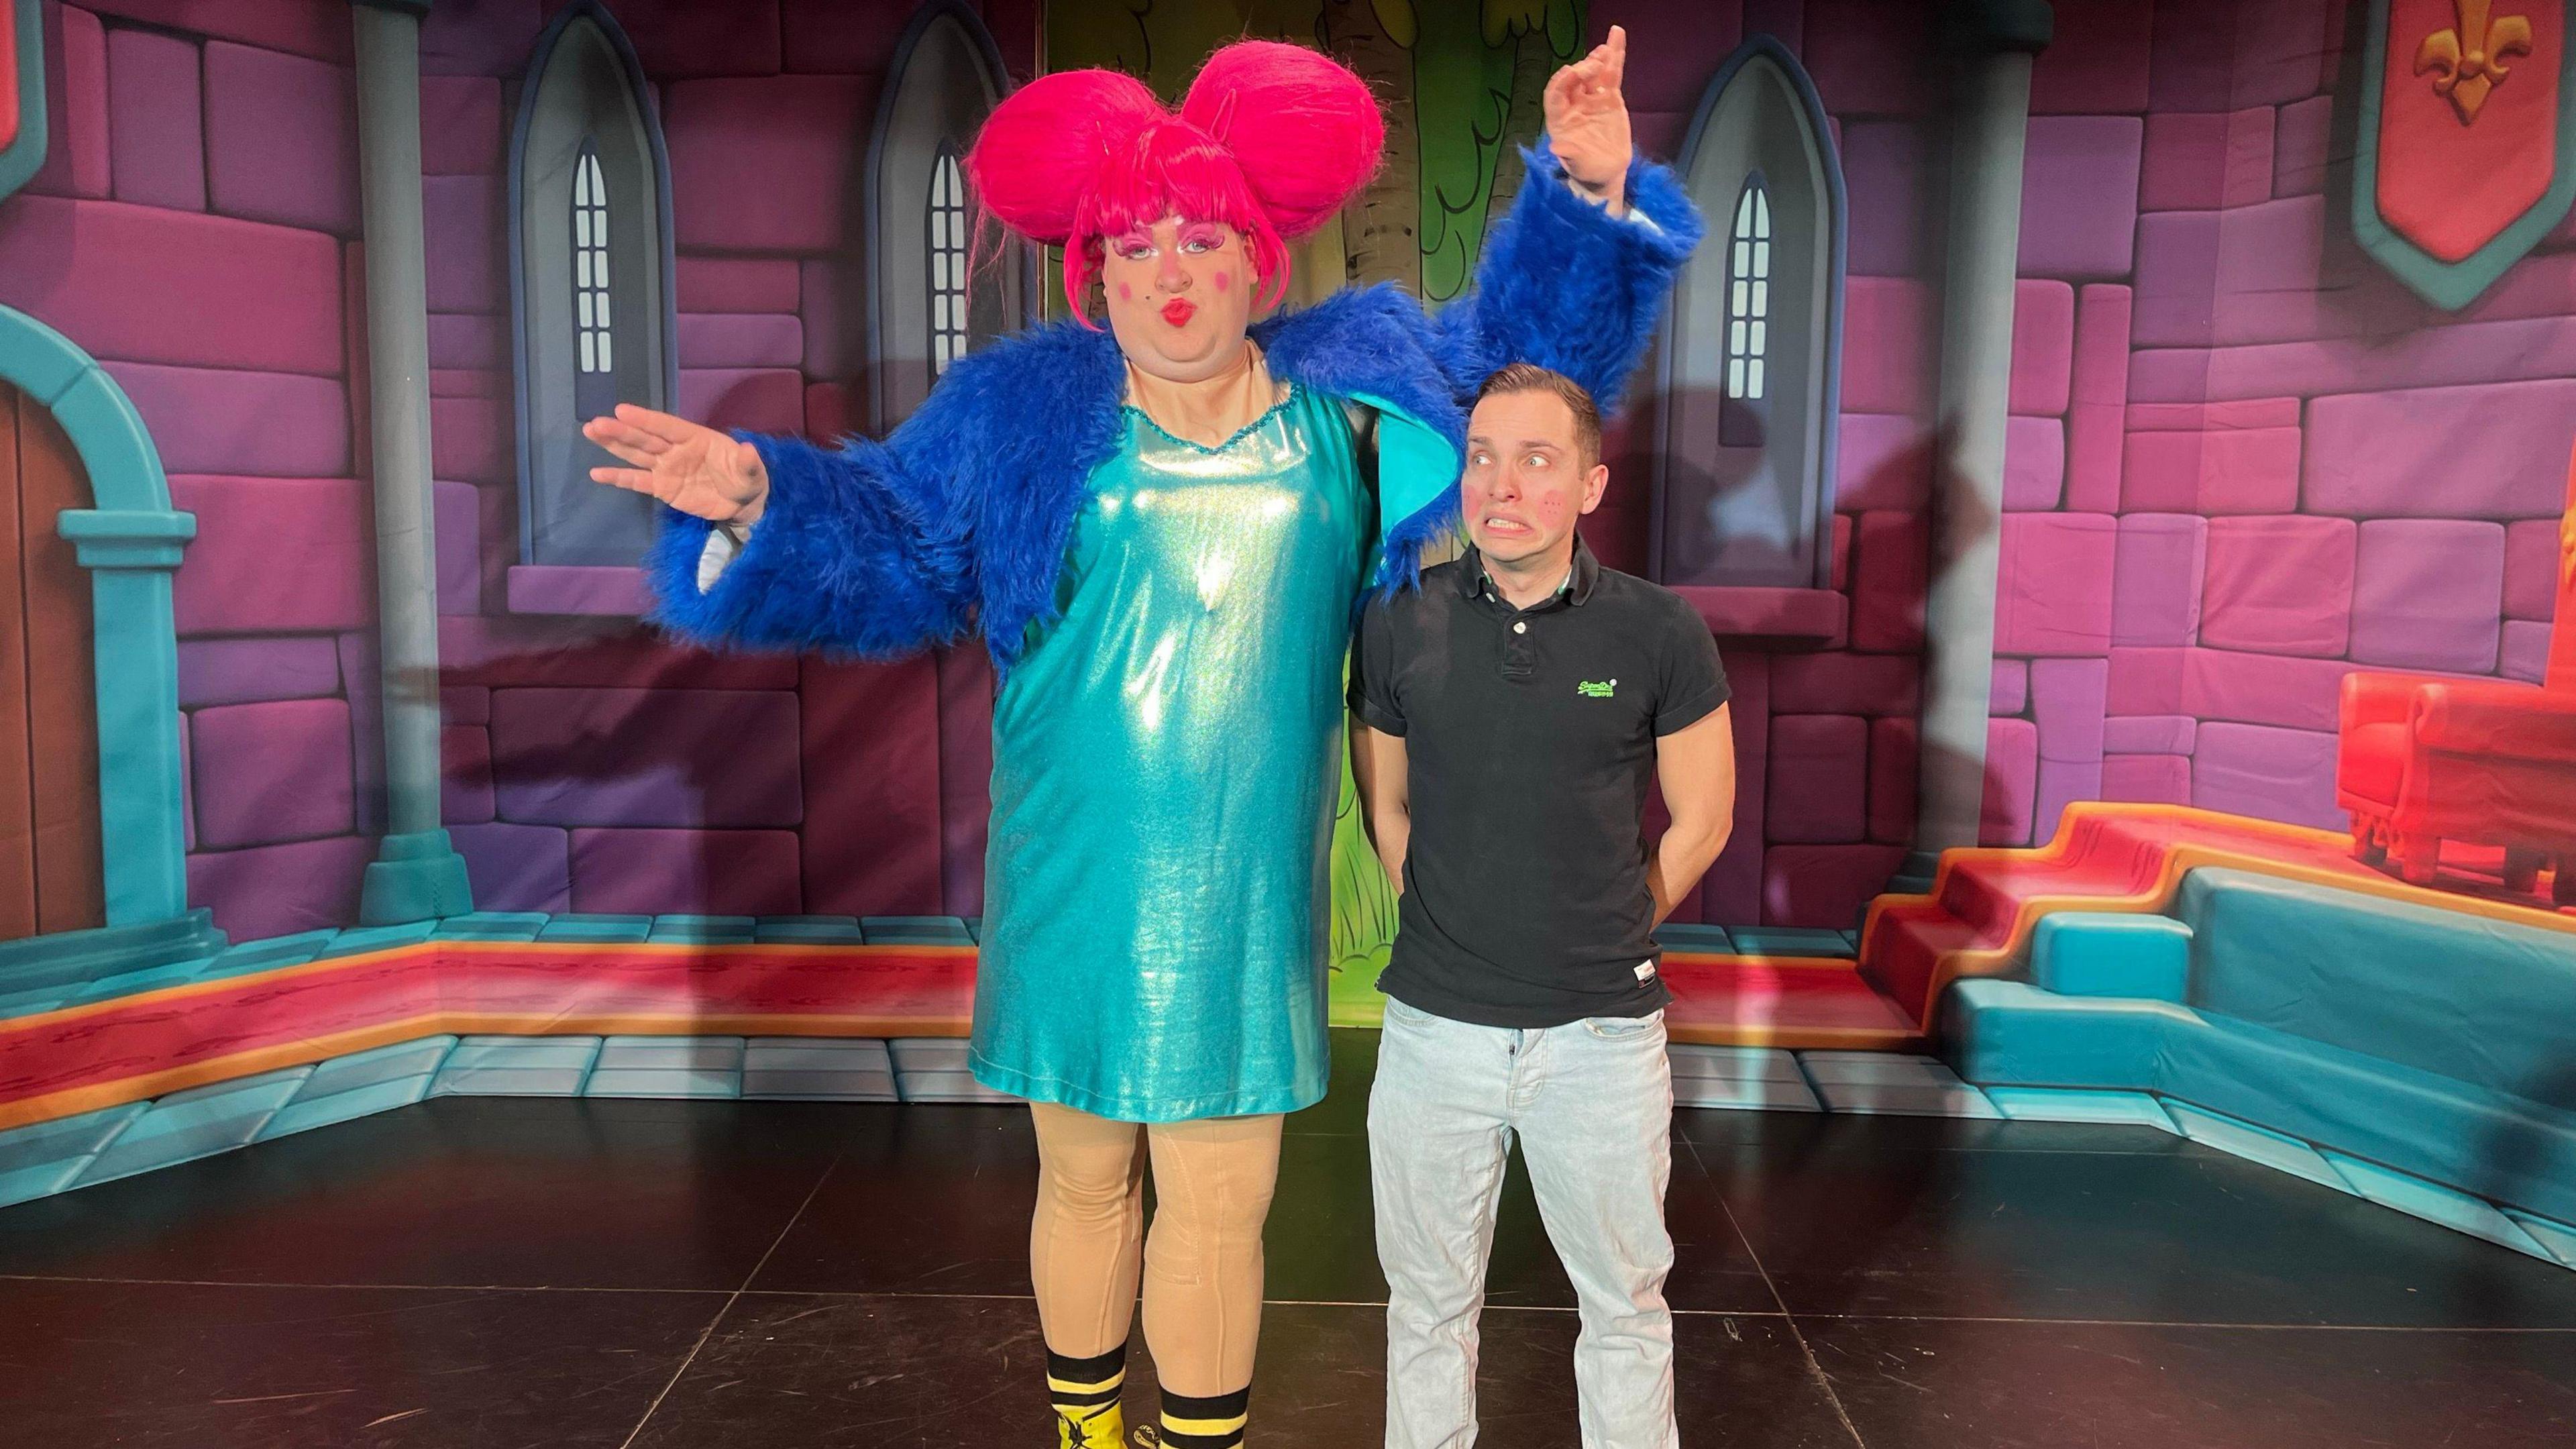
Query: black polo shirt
1530	745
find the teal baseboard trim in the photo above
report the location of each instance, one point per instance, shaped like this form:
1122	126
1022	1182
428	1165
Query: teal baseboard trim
415	877
71	958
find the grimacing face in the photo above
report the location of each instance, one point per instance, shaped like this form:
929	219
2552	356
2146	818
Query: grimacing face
1525	481
1180	296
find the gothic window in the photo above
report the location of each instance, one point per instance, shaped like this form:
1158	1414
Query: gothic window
1748	310
929	305
590	239
948	260
1752	360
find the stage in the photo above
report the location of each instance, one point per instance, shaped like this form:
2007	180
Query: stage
579	1271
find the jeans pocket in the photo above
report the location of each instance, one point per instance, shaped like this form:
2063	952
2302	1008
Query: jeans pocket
1624	1028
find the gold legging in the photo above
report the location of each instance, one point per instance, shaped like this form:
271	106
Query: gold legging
1201	1264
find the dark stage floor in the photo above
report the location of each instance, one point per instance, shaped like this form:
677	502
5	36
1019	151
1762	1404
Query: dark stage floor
505	1272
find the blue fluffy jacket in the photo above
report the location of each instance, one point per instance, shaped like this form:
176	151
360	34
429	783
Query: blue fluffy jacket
960	520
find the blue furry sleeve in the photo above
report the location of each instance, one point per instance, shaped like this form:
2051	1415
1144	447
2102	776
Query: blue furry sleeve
857	552
1564	284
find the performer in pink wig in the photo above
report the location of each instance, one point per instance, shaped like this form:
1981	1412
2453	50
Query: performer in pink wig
1160	531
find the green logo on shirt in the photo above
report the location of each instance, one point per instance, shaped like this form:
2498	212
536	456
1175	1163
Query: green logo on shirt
1592	690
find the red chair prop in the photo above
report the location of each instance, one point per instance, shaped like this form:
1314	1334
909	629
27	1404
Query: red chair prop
2480	762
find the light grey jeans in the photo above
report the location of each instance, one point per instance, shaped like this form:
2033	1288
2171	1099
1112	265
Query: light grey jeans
1592	1104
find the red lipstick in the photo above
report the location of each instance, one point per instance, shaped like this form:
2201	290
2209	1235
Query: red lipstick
1179	311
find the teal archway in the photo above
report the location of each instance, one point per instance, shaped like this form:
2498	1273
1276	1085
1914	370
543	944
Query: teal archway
131	541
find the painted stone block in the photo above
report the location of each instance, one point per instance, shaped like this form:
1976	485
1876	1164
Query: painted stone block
2097	397
2067	700
466	228
2428	594
1838	577
2226	278
872	835
752	872
504	652
465	775
2519	350
1818	791
2034	463
1837	683
2147	779
464	704
1895	753
248	671
2160	570
362	672
1885	164
2523	651
473	440
2096	61
2149	680
317	31
1887	358
740	340
2225	471
270	773
517	867
255	424
2061	783
2303	146
501	1066
2053	595
2043	353
2228	415
737	284
2531	569
1871	56
2012	777
2399	454
2279	585
2008	691
144	284
458	511
43	1158
2079	196
1824	885
230	581
76	106
2149	734
1890	565
830	412
156	120
680	758
469	340
2263	689
795	141
491	38
461	126
1883	461
196	1123
2212	55
280	890
770	400
2206	160
2276	774
281	138
676	38
832	301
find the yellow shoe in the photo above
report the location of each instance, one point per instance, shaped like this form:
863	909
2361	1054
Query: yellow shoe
1101	1428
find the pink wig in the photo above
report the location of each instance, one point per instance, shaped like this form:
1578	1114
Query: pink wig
1271	140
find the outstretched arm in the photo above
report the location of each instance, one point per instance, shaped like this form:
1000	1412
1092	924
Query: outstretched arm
1575	278
837	548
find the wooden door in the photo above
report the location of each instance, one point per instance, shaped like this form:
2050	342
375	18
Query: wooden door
49	833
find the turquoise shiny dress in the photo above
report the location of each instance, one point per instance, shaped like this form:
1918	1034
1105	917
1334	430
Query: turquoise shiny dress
1165	762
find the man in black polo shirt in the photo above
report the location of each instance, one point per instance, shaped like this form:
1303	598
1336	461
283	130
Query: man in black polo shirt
1512	714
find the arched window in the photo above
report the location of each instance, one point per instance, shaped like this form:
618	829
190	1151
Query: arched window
1748	311
929	305
948	261
590	250
1753	358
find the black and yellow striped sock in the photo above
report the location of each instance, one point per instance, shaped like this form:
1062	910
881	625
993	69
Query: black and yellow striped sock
1085	1390
1211	1423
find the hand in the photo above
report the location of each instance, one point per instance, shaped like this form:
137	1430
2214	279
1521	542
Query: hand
694	469
1587	122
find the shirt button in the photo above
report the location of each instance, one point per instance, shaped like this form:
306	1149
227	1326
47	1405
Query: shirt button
1520	628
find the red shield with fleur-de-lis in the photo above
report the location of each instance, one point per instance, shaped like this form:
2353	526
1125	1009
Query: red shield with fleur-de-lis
2464	154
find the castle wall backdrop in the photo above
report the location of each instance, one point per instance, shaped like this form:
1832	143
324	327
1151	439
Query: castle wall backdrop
2244	458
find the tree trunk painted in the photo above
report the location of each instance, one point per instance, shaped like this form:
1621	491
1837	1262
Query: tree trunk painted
1382	230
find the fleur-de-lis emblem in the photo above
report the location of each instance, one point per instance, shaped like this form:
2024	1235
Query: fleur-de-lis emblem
2468	61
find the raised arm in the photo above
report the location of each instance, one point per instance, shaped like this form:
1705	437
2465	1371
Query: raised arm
852	549
1575	278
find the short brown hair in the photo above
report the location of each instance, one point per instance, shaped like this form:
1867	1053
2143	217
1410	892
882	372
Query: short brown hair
1530	377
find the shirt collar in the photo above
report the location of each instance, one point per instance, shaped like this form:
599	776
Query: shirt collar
1577	588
